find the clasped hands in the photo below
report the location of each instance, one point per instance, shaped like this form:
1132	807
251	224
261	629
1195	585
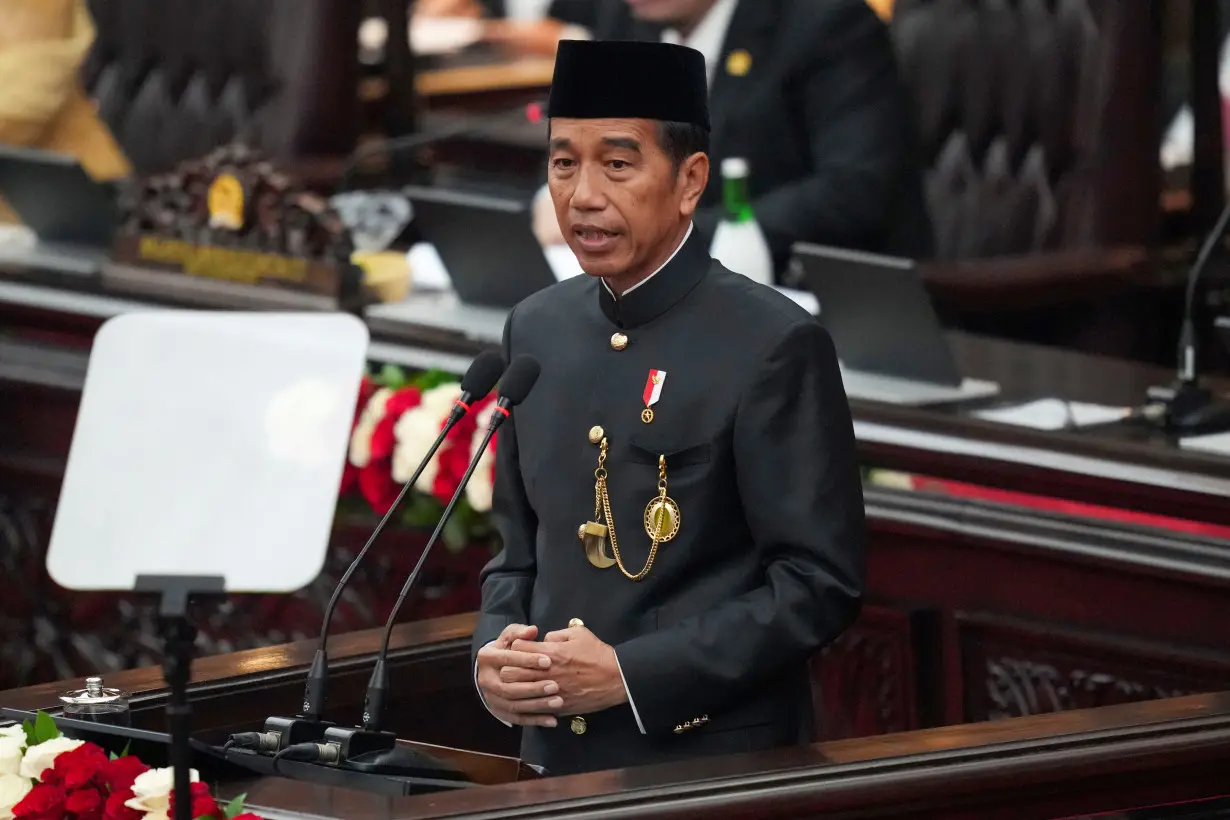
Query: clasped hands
528	683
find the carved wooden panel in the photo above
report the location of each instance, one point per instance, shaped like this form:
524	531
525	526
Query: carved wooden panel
1015	667
868	681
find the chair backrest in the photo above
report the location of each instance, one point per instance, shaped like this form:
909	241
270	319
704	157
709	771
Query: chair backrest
174	79
1039	119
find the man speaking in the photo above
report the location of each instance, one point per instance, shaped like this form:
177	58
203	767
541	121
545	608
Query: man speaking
679	499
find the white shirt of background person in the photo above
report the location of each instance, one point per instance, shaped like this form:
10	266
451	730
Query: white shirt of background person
708	38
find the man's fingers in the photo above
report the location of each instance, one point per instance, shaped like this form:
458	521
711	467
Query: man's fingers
534	647
515	674
527	691
518	632
546	721
513	657
534	706
568	634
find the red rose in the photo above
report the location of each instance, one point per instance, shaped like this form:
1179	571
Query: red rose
78	768
115	808
247	816
203	803
85	804
377	485
44	802
383	438
119	774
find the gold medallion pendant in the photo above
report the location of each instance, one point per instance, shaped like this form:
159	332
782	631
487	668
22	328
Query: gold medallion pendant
662	519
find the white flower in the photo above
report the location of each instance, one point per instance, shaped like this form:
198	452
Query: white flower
42	757
13	731
361	438
417	430
478	491
152	791
12	749
13	790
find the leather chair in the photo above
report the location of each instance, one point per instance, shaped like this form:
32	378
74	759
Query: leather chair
1040	126
174	79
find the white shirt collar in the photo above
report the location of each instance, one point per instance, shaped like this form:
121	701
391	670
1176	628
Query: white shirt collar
709	36
655	273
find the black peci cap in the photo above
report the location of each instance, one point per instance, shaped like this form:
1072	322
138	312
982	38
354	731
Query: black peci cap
603	79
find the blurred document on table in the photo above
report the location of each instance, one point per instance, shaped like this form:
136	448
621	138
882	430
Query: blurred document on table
1054	414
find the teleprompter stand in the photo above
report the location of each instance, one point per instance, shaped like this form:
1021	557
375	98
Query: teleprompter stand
179	635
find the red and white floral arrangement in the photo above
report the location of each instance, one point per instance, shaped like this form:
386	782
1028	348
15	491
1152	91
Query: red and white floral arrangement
46	776
396	421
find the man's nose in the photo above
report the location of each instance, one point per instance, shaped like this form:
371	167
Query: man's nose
588	195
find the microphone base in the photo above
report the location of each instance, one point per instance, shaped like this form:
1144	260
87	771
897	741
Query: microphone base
1193	410
292	731
354	742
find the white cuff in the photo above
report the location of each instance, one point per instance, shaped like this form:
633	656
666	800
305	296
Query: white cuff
480	692
635	714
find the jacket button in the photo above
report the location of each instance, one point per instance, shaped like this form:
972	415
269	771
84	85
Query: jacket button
579	726
619	341
595	434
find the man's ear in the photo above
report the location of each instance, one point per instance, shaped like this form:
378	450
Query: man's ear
693	176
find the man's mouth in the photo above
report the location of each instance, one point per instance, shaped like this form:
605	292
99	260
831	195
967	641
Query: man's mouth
593	238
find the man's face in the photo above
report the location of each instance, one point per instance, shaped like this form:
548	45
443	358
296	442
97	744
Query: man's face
619	201
670	12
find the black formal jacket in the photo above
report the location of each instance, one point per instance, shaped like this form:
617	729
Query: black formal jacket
768	565
822	117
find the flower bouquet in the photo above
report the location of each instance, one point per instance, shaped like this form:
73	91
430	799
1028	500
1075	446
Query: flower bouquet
46	776
397	419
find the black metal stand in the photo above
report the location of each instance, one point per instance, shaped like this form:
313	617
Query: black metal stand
179	635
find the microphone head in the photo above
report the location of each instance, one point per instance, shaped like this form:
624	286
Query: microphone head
519	380
484	372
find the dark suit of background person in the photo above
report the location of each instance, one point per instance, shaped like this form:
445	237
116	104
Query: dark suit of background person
821	115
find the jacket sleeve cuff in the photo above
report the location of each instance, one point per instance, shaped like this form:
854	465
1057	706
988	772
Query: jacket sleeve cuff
631	702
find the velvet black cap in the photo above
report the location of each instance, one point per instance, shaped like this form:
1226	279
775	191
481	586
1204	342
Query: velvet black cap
600	79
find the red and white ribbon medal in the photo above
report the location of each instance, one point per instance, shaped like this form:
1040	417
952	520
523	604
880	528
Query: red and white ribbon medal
653	392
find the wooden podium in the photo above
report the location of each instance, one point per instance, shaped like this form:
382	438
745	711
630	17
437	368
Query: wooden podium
1110	759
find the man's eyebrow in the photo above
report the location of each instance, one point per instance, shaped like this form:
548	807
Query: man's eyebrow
623	142
560	144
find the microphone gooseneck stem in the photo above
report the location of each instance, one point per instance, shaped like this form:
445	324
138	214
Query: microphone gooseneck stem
378	686
314	696
1187	334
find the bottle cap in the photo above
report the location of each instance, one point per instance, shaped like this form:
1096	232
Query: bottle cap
734	167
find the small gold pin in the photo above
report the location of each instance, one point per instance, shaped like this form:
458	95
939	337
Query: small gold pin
595	434
619	341
739	63
575	622
579	726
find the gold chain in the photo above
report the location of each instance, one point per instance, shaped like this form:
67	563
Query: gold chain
601	493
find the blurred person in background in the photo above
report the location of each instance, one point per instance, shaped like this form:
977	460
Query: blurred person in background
42	103
809	94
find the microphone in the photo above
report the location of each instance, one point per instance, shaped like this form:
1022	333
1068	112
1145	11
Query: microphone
348	743
281	732
531	113
1189	407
